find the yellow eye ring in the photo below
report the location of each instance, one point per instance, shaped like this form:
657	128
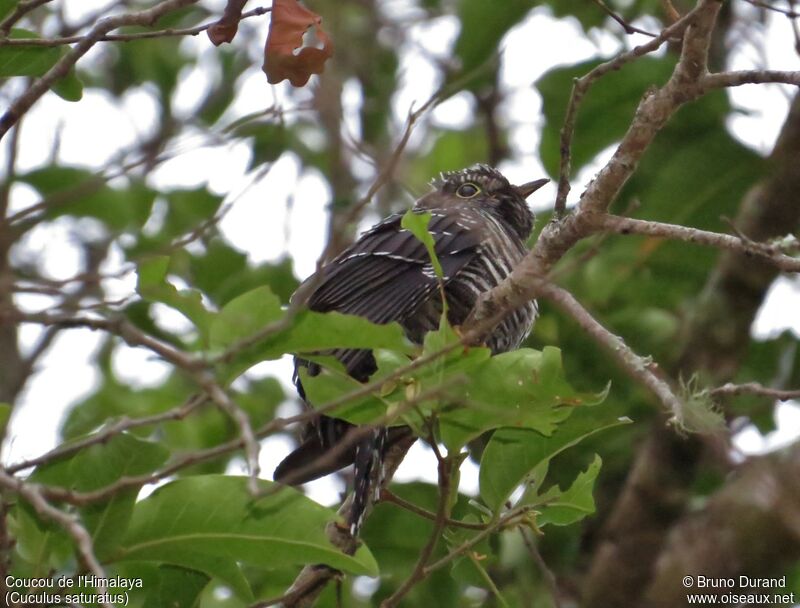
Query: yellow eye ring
467	190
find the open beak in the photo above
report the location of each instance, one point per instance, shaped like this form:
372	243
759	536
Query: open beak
525	190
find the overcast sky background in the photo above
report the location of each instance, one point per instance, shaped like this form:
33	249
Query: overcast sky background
286	210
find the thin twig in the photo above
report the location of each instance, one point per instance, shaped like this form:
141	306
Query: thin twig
547	574
107	432
391	497
189	31
440	522
499	523
23	8
629	29
789	13
754	388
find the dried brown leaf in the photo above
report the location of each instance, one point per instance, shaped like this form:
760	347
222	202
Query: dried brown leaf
290	20
225	29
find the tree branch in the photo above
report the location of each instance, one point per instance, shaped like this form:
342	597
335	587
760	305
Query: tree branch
440	522
189	31
22	9
739	78
625	225
529	277
62	67
640	369
754	388
582	86
71	524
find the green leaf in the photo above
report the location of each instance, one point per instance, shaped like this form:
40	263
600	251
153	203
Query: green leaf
308	332
512	454
269	141
573	504
244	316
522	388
214	516
451	151
176	587
396	535
36	61
42	545
113	399
417	224
153	286
26	60
78	192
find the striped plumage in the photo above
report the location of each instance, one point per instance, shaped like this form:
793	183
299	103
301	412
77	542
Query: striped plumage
479	223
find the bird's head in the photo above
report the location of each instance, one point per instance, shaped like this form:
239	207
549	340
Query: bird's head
487	187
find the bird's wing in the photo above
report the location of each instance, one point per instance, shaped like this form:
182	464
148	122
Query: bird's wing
387	273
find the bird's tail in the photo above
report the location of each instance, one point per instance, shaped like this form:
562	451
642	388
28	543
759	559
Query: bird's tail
335	445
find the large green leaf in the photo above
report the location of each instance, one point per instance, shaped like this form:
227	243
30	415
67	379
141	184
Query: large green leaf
214	516
523	388
75	191
176	588
512	454
36	61
330	385
98	466
187	209
308	332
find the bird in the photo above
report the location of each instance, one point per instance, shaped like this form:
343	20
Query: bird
480	223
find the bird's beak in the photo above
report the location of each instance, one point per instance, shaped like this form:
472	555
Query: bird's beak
525	190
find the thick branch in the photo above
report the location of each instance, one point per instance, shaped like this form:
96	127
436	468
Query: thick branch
737	79
559	236
714	341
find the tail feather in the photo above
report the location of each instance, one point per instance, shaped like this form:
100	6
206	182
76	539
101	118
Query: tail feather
317	457
310	461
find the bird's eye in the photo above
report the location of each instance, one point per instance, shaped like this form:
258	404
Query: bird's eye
467	190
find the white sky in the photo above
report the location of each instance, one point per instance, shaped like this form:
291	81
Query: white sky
262	215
